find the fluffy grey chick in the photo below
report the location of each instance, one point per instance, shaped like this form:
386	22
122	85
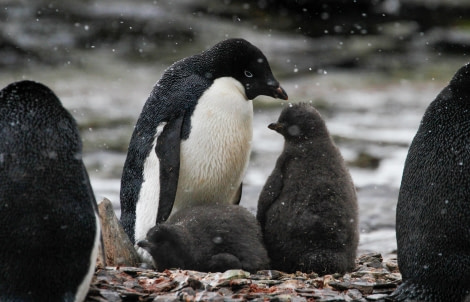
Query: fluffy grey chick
308	207
208	238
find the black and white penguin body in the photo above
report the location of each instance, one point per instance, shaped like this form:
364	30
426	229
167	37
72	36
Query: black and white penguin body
192	141
433	210
210	238
308	206
50	227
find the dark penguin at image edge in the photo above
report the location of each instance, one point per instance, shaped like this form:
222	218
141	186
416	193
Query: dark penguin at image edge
50	227
192	141
308	207
433	210
209	238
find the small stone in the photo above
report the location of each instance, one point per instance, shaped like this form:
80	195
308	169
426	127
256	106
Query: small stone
269	274
165	286
209	296
370	258
376	297
234	299
327	295
373	272
225	291
234	274
166	298
187	294
292	284
268	282
224	279
110	295
180	281
327	279
395	277
239	283
365	288
305	290
340	285
355	294
392	265
287	298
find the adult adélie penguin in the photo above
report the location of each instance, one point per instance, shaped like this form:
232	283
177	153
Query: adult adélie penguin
50	226
192	141
433	209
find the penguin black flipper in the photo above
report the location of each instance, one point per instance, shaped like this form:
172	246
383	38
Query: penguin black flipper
170	108
86	177
238	196
168	147
274	185
270	193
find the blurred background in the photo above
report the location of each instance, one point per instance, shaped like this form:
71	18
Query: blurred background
370	67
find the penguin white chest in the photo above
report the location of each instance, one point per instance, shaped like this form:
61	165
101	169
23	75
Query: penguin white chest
214	158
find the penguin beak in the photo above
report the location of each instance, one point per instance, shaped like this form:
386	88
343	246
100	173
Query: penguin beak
278	127
280	93
144	244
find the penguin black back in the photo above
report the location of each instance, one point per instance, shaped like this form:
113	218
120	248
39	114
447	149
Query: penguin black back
169	109
433	210
48	211
208	238
308	207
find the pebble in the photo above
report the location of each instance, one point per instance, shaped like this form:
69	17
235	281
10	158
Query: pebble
372	280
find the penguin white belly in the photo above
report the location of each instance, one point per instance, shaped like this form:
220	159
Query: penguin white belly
214	158
147	205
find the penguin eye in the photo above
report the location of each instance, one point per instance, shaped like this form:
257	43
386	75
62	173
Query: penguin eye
248	74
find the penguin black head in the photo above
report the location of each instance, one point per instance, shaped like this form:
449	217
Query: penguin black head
29	100
169	246
299	122
243	61
461	80
30	91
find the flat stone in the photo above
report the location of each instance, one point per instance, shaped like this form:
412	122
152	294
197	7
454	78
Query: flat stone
376	297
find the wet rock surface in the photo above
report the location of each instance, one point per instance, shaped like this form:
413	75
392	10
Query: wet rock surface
373	280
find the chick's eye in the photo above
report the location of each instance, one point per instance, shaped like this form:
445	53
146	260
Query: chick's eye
248	74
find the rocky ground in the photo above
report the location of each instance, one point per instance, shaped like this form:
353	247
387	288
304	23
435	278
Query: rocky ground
373	280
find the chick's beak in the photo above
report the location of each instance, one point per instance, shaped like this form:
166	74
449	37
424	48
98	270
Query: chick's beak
144	244
276	127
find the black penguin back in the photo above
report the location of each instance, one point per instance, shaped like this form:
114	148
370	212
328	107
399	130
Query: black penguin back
174	96
433	211
47	206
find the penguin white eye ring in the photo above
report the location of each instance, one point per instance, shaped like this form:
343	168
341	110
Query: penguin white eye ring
248	74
